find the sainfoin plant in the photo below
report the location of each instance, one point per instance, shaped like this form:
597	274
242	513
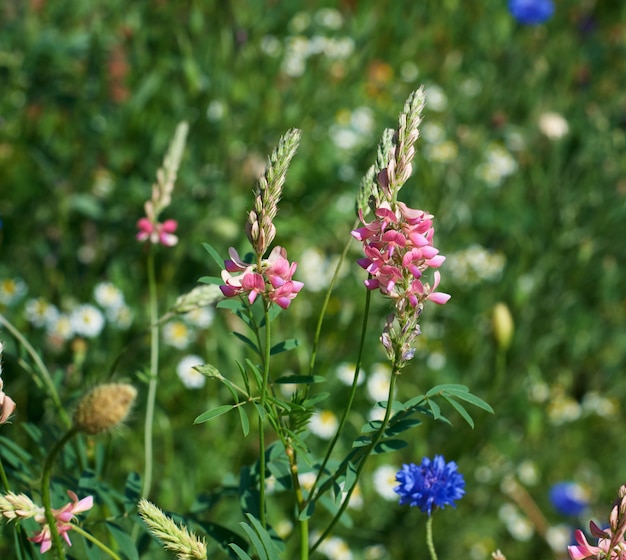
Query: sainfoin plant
402	265
259	286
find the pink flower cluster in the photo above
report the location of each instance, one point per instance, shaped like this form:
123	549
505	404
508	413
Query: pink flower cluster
272	280
398	250
63	517
611	544
7	404
608	547
157	232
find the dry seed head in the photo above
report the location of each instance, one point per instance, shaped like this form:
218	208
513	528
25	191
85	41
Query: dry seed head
104	407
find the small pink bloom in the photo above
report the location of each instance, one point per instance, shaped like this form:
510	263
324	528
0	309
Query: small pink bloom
583	549
279	270
62	516
274	281
156	232
282	296
437	297
43	538
7	405
166	233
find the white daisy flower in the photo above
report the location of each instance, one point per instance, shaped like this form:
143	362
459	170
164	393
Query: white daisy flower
378	383
329	18
87	320
177	334
108	295
11	290
553	125
60	327
323	424
385	481
345	374
307	480
335	549
120	317
40	312
191	378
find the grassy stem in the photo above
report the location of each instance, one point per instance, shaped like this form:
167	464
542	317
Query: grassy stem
95	541
375	441
57	544
429	538
43	370
154	372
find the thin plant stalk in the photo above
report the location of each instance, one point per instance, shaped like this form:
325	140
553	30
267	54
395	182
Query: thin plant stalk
429	538
45	493
359	470
95	541
266	374
43	370
329	291
3	477
154	372
351	396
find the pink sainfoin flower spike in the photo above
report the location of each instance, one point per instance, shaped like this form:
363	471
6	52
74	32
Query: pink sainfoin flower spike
398	242
150	228
63	517
271	277
273	280
156	232
611	545
7	404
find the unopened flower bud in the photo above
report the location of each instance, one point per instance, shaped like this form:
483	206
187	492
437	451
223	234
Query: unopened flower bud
503	326
104	407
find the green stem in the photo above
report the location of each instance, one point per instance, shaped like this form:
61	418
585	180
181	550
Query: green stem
45	374
45	493
351	396
3	477
320	320
429	538
361	466
266	374
95	541
154	371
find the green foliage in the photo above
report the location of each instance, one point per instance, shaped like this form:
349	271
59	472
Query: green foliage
91	93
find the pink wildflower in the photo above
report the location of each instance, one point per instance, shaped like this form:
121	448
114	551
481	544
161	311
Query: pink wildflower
273	280
7	405
611	545
157	232
63	517
398	250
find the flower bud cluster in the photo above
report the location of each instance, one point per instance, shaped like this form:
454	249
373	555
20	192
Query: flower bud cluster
398	248
7	404
19	506
398	242
150	229
611	544
272	279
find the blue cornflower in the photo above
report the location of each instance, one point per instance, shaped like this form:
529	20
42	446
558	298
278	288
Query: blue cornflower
569	498
433	484
531	12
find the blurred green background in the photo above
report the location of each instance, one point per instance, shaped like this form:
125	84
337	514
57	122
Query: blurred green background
521	160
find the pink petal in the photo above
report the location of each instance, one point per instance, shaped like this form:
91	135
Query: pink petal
169	226
439	297
436	262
